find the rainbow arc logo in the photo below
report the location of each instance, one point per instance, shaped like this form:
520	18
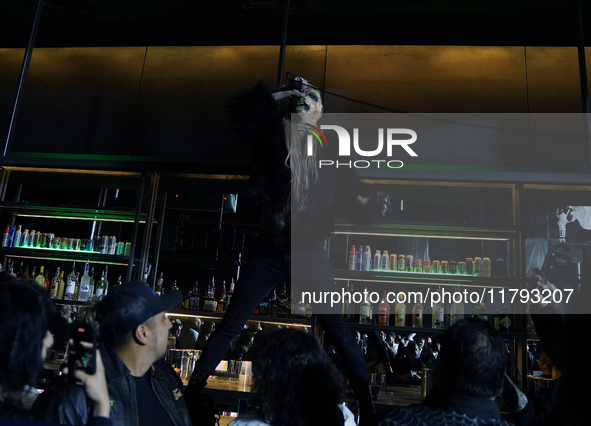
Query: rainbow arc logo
317	133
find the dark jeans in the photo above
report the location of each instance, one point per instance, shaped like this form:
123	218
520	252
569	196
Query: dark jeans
265	269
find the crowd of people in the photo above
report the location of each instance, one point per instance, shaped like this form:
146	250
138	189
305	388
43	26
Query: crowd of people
295	381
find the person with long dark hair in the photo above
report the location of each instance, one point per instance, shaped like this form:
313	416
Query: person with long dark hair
27	316
295	384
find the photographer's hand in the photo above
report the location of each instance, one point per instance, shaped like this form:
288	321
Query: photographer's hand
95	386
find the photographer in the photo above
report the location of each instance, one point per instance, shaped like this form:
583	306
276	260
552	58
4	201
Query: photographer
27	317
143	388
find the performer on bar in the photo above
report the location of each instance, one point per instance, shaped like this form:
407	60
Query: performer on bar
287	186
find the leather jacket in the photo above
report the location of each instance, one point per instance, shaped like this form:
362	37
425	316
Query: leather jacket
66	403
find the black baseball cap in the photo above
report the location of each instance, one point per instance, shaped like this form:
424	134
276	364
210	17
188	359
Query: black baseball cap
131	304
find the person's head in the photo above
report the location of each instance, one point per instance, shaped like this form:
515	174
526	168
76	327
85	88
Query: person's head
547	366
307	107
191	323
177	327
295	383
68	312
133	314
412	350
356	335
26	317
473	359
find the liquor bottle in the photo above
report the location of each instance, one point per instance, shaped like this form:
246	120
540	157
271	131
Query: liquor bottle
159	289
71	284
10	268
101	286
106	280
360	259
456	312
31	238
17	237
497	319
300	310
194	298
91	286
62	286
350	315
384	310
85	293
34	277
19	273
347	304
273	306
352	259
25	238
365	311
26	273
6	237
55	282
120	281
438	316
400	313
173	288
264	307
385	263
77	289
12	232
367	259
209	301
230	293
309	311
417	315
185	302
283	302
221	307
47	281
505	322
480	311
377	260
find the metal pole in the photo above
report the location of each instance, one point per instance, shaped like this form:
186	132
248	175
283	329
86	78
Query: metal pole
583	77
159	237
283	43
136	223
23	77
155	180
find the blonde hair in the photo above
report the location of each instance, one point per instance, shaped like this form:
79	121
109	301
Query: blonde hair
303	167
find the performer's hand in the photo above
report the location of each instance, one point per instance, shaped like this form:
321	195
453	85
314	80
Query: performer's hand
292	89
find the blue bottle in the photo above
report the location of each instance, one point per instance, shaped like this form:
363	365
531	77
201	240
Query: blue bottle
360	259
12	233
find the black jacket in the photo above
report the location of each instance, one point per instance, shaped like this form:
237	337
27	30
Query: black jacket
67	403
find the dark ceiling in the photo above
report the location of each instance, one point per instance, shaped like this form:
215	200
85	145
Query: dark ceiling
71	23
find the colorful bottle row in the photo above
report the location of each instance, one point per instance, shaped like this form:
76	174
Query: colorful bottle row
439	312
16	237
360	260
